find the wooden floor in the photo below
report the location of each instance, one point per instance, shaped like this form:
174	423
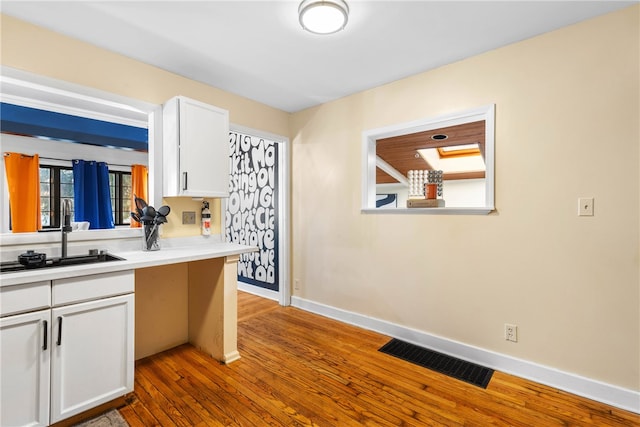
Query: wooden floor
299	369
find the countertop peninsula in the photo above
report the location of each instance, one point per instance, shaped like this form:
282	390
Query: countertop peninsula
133	259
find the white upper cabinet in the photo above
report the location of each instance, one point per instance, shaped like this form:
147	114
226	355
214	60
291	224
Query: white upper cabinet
195	149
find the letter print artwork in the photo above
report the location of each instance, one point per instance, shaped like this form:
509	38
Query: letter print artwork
252	208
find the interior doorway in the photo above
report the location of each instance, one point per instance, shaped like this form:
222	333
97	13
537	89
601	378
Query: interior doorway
256	212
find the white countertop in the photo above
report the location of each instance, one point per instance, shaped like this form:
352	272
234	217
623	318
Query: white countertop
132	260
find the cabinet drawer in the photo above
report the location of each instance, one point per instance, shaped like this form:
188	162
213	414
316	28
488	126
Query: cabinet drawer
26	297
85	288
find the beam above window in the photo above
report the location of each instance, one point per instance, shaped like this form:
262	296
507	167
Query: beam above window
34	122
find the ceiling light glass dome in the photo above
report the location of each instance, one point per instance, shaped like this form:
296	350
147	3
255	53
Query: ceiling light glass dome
323	16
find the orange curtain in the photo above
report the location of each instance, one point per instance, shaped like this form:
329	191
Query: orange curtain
23	181
139	177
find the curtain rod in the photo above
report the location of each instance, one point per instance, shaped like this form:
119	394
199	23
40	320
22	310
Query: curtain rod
67	160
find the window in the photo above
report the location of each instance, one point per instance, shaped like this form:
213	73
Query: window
56	185
466	157
120	189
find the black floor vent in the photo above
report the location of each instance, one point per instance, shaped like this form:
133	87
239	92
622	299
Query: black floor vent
456	368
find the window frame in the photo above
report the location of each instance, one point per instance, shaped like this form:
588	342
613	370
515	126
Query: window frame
369	160
119	214
55	195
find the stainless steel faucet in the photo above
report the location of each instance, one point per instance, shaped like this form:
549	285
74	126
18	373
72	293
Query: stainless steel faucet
65	227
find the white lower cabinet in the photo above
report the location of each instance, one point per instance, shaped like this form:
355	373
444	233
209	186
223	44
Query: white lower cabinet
64	360
24	369
92	355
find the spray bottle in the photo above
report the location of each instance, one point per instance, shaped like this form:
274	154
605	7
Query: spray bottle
206	219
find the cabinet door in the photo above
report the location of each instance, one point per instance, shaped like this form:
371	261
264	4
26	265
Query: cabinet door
24	364
92	359
204	149
196	149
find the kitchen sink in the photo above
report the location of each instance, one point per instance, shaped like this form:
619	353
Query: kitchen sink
92	258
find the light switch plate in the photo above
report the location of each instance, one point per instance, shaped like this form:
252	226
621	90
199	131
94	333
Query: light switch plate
585	206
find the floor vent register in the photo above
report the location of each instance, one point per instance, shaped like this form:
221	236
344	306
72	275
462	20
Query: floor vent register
442	363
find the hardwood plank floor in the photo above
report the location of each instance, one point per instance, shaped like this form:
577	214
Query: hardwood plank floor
300	369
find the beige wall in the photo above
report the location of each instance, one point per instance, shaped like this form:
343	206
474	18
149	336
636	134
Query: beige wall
567	113
162	308
37	50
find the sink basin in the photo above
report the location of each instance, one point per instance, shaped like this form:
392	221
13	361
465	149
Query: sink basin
13	266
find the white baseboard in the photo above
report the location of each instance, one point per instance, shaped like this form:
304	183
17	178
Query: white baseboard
257	290
622	398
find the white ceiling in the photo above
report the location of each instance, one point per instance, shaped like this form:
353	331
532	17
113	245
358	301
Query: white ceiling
257	49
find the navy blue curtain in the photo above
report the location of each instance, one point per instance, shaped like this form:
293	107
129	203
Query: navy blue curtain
92	201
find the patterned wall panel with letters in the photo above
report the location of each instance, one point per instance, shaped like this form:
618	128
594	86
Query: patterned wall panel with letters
252	207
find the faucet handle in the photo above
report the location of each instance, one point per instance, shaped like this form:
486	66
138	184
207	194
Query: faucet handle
66	215
66	207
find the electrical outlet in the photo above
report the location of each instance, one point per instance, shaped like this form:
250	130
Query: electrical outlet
296	284
585	206
510	332
188	217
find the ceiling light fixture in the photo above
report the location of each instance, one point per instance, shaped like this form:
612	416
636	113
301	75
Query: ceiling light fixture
323	16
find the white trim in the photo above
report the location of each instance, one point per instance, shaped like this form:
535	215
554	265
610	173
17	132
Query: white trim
609	394
44	92
155	159
71	111
369	158
257	290
284	178
431	211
